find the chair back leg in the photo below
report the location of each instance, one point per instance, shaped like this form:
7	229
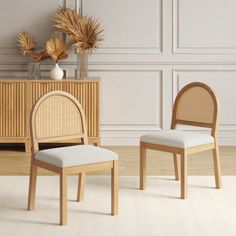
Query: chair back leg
142	166
81	186
184	174
114	187
176	166
217	170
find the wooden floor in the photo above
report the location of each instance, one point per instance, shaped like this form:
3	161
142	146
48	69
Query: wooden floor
16	162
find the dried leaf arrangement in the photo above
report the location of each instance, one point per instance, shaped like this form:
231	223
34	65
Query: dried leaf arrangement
57	49
85	32
27	47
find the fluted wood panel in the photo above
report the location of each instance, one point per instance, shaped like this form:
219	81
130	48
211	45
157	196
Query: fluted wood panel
12	109
17	98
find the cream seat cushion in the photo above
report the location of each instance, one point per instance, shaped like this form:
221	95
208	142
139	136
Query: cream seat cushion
75	155
177	138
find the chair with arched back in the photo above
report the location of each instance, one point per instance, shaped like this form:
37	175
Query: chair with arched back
195	105
58	116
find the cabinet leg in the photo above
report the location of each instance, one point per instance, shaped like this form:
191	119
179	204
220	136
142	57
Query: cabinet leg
28	146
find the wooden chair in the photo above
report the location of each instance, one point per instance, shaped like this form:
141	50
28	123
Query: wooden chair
195	105
55	117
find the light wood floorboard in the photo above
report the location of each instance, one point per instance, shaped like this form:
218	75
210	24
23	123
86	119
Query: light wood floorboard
17	162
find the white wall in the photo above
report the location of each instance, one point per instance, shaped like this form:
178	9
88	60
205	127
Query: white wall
152	48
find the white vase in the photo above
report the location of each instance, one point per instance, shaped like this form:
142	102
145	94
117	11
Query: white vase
56	73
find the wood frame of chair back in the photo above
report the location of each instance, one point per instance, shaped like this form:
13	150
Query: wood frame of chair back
37	137
212	103
61	134
180	117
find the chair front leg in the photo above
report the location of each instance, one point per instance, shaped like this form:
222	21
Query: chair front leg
81	185
32	186
142	166
63	197
114	187
184	174
216	161
176	166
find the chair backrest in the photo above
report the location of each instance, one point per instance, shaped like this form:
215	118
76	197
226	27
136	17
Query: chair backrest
196	104
57	116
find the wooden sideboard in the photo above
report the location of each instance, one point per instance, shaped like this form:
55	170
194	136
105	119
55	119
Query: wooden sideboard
18	96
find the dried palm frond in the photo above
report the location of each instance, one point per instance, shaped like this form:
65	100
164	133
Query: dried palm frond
86	32
67	20
26	43
56	49
89	35
40	56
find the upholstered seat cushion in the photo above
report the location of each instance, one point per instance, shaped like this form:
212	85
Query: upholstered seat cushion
75	155
177	138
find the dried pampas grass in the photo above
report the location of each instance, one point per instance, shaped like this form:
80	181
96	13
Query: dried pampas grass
86	32
26	43
56	49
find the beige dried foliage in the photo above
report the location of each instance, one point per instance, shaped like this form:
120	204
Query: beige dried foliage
67	20
89	35
86	32
57	49
26	43
40	56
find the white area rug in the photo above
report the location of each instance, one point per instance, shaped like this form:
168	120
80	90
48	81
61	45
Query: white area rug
155	211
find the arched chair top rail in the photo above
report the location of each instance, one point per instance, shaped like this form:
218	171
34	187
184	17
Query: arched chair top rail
196	104
57	116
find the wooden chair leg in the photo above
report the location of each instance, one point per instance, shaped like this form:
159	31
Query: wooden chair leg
114	187
32	186
184	175
217	170
176	166
81	185
63	198
142	166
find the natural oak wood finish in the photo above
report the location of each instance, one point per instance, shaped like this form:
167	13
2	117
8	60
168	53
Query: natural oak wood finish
72	124
184	173
142	166
63	197
176	166
195	105
114	187
81	184
32	187
18	96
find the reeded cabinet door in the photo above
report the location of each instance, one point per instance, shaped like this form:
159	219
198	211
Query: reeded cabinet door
13	109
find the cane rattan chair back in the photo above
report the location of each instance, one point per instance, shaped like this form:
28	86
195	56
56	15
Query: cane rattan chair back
196	104
57	116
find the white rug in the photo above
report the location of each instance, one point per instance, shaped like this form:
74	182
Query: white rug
155	211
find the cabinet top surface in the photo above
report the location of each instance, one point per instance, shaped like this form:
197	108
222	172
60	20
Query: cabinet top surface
90	80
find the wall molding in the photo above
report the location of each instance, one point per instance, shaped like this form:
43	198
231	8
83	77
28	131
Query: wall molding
14	49
139	50
177	49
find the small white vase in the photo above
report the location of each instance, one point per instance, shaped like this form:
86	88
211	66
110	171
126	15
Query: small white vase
56	73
